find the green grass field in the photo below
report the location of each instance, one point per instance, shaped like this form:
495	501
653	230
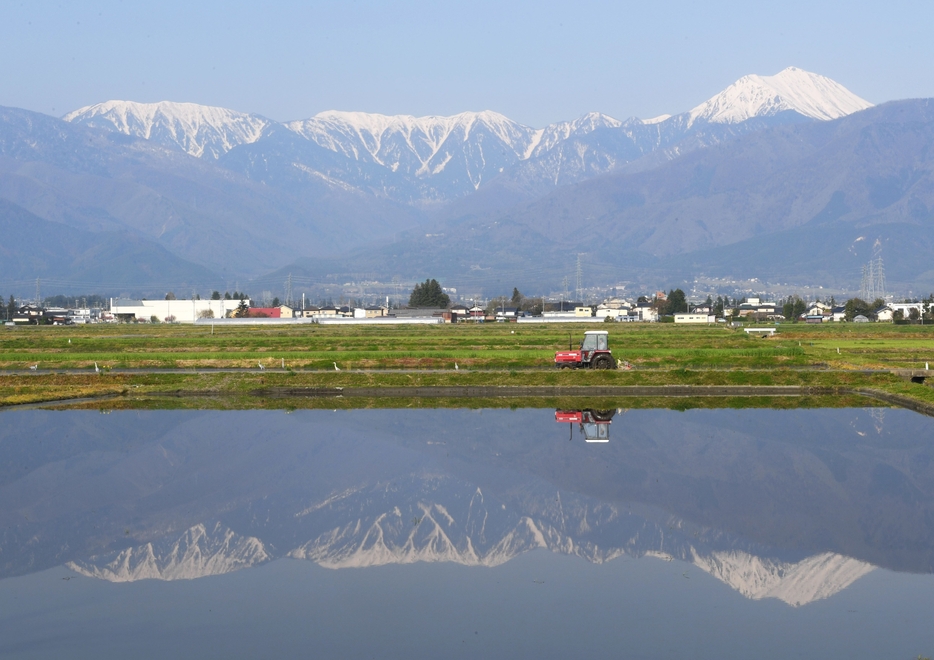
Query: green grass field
828	355
490	346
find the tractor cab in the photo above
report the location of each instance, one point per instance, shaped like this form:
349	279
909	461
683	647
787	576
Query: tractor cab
594	340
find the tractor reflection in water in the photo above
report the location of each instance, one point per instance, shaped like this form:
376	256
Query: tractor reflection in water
594	425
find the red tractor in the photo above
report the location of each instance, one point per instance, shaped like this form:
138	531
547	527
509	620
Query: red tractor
594	353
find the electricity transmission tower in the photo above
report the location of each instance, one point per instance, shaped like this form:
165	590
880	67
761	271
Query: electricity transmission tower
288	291
873	281
580	278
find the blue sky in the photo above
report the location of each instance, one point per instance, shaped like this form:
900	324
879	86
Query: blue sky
534	62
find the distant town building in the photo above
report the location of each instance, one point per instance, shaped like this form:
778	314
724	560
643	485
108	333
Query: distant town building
695	318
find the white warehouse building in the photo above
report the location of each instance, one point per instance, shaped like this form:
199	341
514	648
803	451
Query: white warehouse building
695	318
180	311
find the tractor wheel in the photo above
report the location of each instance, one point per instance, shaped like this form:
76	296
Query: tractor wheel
603	415
603	362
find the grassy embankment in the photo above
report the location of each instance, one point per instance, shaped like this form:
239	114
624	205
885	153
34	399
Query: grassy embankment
825	356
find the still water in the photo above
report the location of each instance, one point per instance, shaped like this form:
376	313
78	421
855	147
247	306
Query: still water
467	533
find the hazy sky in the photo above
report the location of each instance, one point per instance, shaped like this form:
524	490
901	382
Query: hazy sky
536	62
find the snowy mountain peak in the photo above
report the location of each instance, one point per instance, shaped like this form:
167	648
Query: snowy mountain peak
199	130
809	94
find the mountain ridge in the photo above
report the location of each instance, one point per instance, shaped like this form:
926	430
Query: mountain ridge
434	159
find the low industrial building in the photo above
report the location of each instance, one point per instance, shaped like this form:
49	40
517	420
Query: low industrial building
169	311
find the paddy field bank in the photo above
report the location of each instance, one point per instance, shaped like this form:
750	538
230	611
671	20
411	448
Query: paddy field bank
311	365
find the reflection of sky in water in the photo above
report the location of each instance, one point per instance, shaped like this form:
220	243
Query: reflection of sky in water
706	533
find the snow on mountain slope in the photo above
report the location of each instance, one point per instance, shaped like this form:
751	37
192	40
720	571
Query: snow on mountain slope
199	130
554	134
425	136
813	578
465	149
198	553
809	94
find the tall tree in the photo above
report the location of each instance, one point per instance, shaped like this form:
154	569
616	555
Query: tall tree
856	306
799	308
677	303
429	294
516	297
793	308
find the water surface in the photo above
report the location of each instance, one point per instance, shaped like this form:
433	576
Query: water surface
491	533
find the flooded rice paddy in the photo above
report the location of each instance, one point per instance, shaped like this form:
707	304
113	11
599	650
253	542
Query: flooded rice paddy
467	533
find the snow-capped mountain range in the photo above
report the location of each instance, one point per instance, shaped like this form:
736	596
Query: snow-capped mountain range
430	159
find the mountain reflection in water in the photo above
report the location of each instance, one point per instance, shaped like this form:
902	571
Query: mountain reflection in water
794	505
